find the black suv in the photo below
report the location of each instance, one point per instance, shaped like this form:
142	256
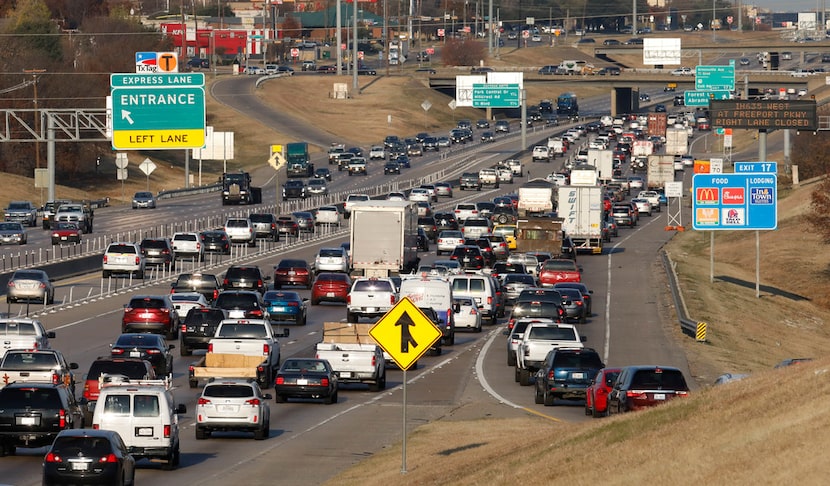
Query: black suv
32	414
445	221
566	373
265	225
241	277
430	143
158	252
205	283
199	327
242	304
469	257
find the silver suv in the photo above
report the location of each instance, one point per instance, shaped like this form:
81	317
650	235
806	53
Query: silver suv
123	258
236	405
240	230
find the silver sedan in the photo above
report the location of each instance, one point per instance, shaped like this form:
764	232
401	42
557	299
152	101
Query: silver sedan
30	286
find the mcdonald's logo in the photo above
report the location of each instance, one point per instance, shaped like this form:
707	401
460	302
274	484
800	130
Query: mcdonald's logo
707	196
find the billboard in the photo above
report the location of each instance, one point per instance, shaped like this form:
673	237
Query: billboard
735	201
658	51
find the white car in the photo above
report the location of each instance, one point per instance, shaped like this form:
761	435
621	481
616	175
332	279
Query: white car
465	210
327	215
240	230
351	199
396	196
505	174
558	179
123	258
420	194
652	197
448	240
635	183
468	317
228	404
682	71
541	152
334	259
377	152
515	165
184	301
643	206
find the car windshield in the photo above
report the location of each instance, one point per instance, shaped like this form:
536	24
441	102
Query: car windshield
10	226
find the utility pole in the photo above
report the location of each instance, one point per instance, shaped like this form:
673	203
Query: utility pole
35	76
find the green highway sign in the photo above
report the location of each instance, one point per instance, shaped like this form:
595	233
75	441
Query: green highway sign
702	98
496	95
158	111
157	80
715	78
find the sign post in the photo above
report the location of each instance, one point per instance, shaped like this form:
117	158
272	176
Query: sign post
406	334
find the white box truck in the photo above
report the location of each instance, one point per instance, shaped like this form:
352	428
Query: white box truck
580	208
535	198
660	171
603	160
384	238
677	141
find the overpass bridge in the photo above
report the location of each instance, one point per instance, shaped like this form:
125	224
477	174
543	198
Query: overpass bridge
624	89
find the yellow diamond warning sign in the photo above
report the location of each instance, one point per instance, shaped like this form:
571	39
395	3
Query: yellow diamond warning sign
405	333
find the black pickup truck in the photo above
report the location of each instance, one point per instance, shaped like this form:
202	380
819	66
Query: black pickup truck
32	415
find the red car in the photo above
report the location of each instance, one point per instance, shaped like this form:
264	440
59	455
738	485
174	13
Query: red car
330	287
64	232
292	271
151	313
596	395
557	270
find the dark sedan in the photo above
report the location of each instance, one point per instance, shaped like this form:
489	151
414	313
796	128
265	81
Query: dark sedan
391	167
150	347
87	456
287	225
286	306
292	271
215	241
586	293
306	378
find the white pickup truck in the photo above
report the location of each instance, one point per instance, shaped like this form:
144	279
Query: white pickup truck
241	348
353	354
538	339
23	334
43	366
370	297
489	177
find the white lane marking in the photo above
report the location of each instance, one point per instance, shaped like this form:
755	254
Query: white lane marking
480	371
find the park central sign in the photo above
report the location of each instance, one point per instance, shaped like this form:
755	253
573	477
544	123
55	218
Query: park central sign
764	114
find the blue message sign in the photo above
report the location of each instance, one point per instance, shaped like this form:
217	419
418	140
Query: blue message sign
735	201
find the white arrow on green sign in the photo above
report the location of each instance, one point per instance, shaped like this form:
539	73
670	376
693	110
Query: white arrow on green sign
702	98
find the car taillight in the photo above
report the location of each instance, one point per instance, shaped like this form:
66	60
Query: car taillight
109	458
225	282
128	309
255	313
56	378
202	401
634	394
62	418
551	375
167	429
52	457
578	303
280	380
210	347
137	260
489	300
266	348
117	351
510	324
681	393
254	402
183	328
96	426
392	299
153	351
348	299
324	382
105	259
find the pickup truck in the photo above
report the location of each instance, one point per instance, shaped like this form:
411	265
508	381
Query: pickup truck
75	213
44	366
21	212
353	354
537	340
23	334
489	177
469	180
241	348
335	150
47	212
370	297
357	165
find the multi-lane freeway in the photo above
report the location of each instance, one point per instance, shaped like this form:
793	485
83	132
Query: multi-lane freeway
310	442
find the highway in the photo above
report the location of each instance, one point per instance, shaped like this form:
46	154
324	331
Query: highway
311	442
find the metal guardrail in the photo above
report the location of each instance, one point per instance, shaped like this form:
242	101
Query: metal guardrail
689	326
189	191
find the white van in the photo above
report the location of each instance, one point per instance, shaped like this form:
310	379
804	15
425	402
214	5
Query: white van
435	293
482	289
144	414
